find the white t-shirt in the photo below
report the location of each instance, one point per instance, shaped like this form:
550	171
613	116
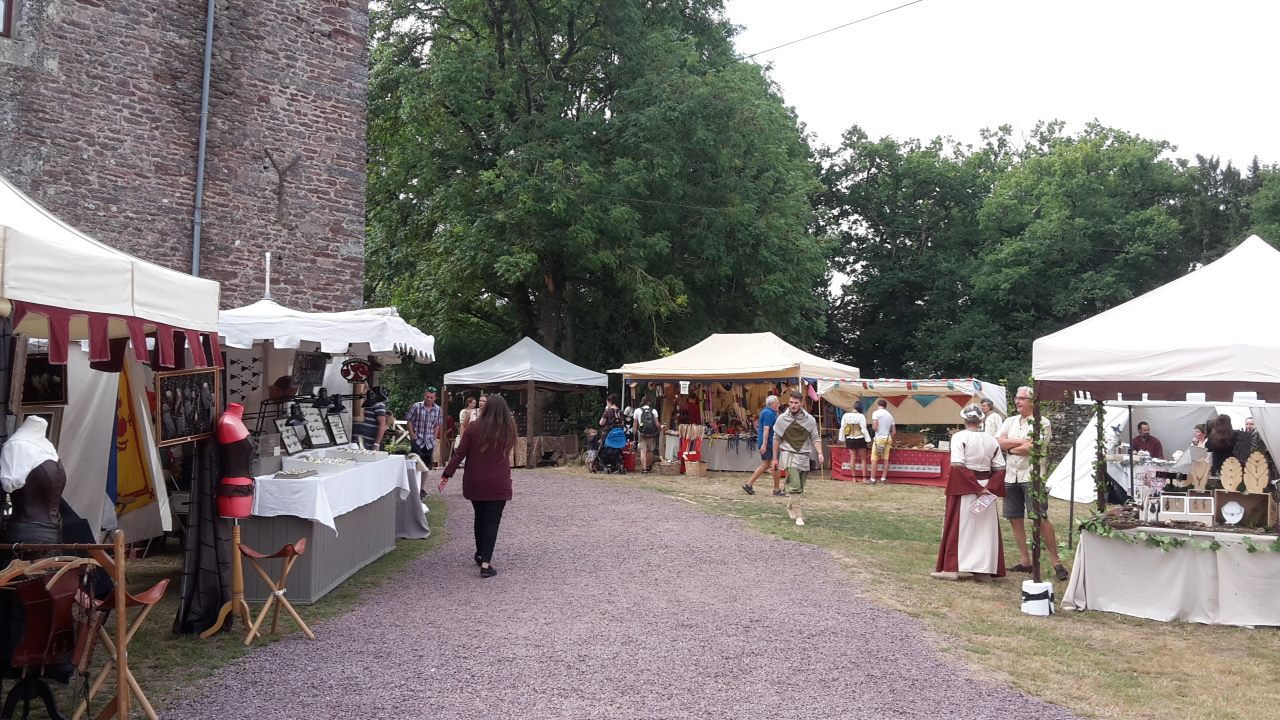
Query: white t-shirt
991	425
884	422
1019	466
976	450
858	421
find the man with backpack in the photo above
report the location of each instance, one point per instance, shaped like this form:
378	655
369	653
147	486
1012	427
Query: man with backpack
647	430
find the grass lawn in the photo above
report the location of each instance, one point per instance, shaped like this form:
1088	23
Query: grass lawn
169	665
1098	664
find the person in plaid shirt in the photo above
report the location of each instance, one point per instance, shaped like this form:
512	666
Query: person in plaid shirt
425	422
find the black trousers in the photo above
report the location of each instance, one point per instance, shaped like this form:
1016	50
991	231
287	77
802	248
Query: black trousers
488	517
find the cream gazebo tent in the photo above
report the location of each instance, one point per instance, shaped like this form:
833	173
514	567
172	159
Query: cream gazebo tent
740	356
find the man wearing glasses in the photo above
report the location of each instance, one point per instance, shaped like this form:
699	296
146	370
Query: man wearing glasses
425	422
1015	441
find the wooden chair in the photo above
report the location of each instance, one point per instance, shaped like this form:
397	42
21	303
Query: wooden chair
289	554
146	601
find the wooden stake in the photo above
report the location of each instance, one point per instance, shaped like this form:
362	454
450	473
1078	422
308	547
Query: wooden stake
122	629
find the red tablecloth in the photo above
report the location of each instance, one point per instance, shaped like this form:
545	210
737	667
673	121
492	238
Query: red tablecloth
914	466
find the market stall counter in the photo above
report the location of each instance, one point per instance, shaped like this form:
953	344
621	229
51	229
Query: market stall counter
1229	586
721	454
912	466
347	514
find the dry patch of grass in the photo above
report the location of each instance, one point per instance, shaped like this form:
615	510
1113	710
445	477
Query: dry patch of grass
1098	664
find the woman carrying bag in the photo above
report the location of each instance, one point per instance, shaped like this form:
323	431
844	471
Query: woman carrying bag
486	447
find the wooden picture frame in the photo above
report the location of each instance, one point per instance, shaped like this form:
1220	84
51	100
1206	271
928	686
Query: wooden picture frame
337	430
187	405
52	414
42	383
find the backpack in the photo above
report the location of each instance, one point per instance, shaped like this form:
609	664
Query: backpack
648	422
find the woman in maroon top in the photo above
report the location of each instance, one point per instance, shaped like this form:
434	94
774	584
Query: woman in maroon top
486	448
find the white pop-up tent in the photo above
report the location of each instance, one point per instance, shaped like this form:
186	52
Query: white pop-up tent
61	285
916	402
371	331
523	363
738	356
1175	339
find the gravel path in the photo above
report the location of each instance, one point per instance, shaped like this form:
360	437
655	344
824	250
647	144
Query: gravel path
612	603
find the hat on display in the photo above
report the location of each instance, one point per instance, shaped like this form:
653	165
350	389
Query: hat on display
337	408
322	398
376	395
972	414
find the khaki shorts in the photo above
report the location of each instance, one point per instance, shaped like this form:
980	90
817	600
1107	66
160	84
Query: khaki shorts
880	450
647	444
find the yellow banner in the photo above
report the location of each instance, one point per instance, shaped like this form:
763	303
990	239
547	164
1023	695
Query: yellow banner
134	484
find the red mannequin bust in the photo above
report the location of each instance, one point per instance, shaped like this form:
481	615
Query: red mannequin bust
235	491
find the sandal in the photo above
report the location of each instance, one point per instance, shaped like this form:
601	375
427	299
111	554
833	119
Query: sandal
1020	568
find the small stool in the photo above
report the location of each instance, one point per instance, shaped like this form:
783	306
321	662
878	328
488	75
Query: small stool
145	600
290	555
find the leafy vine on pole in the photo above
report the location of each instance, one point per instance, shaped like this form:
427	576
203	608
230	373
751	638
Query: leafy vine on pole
1039	497
1100	460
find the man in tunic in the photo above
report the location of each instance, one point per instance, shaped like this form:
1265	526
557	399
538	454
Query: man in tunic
971	543
795	438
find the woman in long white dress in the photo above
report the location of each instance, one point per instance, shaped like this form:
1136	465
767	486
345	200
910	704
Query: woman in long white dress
971	533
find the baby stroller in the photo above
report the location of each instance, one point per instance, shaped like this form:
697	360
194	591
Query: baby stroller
609	455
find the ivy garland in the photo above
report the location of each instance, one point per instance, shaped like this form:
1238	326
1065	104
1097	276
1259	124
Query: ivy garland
1099	458
1098	526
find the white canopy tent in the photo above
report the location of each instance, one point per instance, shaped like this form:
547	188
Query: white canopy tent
371	331
47	262
916	402
1175	339
526	362
740	356
60	284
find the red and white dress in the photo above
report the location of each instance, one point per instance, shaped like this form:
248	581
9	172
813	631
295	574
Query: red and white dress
971	542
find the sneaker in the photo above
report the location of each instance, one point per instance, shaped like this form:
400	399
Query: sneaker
800	521
779	493
884	480
748	489
1061	572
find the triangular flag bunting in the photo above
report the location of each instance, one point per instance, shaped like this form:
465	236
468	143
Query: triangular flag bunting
960	400
924	400
896	400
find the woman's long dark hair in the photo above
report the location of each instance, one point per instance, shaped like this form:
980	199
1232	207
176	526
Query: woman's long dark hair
1221	435
495	429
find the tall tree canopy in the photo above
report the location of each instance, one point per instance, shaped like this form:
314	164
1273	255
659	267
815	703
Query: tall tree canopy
602	175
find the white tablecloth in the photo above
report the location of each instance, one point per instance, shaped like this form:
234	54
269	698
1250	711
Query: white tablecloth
1229	587
323	497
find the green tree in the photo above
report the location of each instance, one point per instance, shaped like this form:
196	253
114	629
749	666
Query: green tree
603	176
1072	232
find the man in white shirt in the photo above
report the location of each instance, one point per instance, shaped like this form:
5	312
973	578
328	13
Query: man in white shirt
991	425
883	425
1015	440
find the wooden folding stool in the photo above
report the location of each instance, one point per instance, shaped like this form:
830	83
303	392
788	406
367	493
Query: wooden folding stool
289	554
146	600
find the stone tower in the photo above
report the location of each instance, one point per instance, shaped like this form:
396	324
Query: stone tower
100	118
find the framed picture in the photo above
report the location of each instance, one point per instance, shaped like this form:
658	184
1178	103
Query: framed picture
292	444
337	429
52	414
42	383
188	401
308	370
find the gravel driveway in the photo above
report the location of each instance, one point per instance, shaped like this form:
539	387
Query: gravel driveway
612	602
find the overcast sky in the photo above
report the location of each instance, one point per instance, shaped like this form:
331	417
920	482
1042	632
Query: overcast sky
1201	75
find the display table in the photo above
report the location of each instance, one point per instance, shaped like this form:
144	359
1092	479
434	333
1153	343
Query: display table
720	454
347	518
1228	587
913	466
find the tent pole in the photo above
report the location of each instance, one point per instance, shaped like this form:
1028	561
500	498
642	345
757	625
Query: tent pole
531	411
1071	509
1132	494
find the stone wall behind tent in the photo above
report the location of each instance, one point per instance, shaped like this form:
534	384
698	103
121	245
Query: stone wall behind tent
99	119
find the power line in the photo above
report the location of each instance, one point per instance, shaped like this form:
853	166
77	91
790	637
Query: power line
740	58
